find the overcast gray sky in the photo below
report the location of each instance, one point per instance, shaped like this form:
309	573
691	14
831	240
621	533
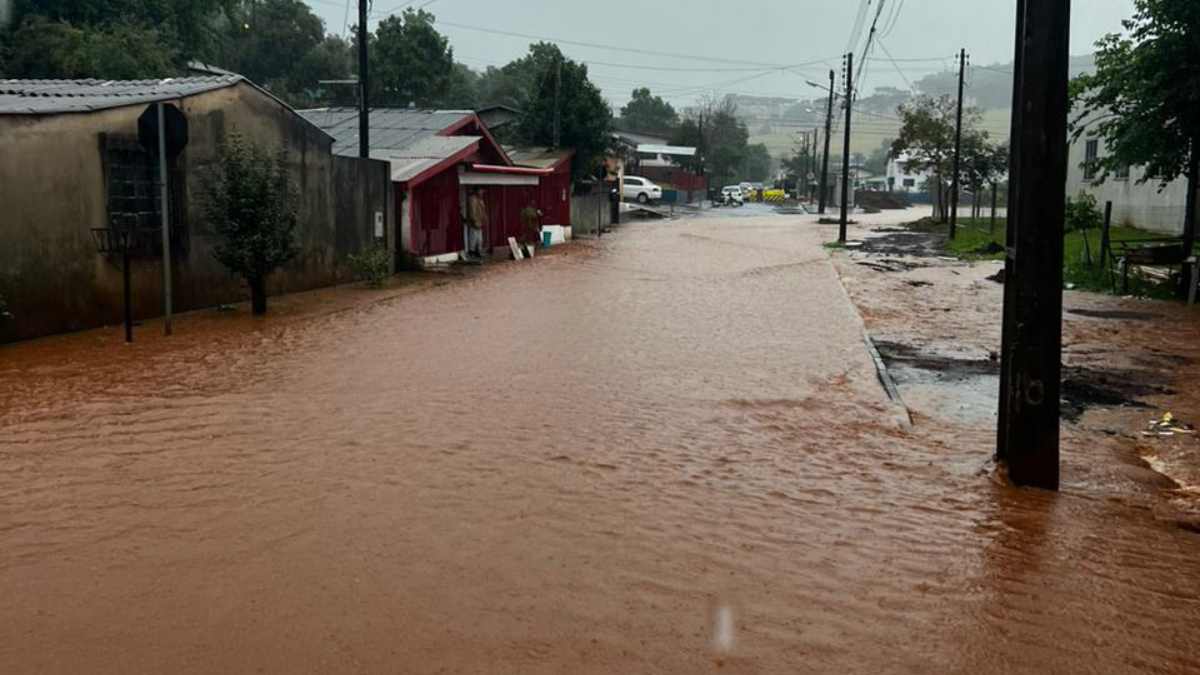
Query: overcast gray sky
721	46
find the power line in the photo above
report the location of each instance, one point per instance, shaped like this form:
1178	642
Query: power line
629	50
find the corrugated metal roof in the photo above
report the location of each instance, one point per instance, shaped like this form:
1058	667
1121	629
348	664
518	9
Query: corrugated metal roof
50	97
391	128
539	157
423	154
675	150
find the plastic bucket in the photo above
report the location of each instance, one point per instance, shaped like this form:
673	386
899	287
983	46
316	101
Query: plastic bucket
547	237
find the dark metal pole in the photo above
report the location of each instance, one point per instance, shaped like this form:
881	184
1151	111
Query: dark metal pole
846	148
364	127
1031	361
1105	242
127	292
954	183
166	210
825	160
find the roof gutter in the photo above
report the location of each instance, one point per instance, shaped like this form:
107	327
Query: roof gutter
514	170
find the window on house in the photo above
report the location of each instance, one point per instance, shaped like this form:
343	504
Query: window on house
910	182
1122	172
133	196
1091	153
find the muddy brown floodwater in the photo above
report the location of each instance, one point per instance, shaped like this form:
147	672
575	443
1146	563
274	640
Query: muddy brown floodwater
666	451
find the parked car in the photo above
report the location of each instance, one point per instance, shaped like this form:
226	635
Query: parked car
731	195
641	189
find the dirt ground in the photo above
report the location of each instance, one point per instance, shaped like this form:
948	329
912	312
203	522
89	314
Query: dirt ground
936	322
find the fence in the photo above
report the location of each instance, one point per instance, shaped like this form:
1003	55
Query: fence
590	213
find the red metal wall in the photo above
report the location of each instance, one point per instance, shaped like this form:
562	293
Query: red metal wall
436	216
504	205
555	199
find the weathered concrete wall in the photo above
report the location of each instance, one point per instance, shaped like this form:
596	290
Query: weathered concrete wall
53	191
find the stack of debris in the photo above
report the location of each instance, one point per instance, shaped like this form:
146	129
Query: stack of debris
1167	425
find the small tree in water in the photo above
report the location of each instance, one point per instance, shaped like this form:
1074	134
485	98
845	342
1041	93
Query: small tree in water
250	205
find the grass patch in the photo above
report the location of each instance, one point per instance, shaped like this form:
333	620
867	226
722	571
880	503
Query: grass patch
975	240
835	245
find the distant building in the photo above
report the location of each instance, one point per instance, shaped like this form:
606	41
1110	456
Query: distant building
902	177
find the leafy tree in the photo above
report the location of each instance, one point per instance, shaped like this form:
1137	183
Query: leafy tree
878	160
186	29
270	38
797	166
42	48
714	128
1144	98
411	63
250	204
982	163
462	92
756	165
927	138
647	113
563	91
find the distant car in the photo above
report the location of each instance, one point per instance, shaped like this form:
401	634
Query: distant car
641	190
733	194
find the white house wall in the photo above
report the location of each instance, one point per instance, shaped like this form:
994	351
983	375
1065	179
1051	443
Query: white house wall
1145	205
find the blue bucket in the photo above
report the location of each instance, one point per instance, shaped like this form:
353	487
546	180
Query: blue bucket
547	237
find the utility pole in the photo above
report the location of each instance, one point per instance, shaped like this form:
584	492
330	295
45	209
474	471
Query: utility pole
849	103
1031	351
558	103
954	184
825	160
364	124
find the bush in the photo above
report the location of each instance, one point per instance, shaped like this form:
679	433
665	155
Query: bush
1082	214
372	265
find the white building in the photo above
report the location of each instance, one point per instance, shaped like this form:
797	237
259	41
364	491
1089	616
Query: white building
900	178
1147	205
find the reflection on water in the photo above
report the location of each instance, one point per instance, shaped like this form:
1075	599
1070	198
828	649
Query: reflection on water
614	459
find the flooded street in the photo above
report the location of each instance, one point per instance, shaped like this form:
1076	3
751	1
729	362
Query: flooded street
663	451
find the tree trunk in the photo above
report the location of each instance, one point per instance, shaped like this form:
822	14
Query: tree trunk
258	295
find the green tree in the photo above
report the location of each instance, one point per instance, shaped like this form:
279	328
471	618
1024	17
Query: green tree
721	138
411	63
250	204
648	114
563	95
270	39
1144	98
927	138
187	29
756	165
878	160
43	48
462	91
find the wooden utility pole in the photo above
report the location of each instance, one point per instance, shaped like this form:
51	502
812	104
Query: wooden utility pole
558	104
846	148
825	160
364	125
954	183
1031	352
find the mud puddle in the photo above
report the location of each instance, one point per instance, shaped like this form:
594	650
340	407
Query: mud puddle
973	381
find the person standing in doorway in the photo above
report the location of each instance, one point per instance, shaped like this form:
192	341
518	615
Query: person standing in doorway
531	223
477	219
